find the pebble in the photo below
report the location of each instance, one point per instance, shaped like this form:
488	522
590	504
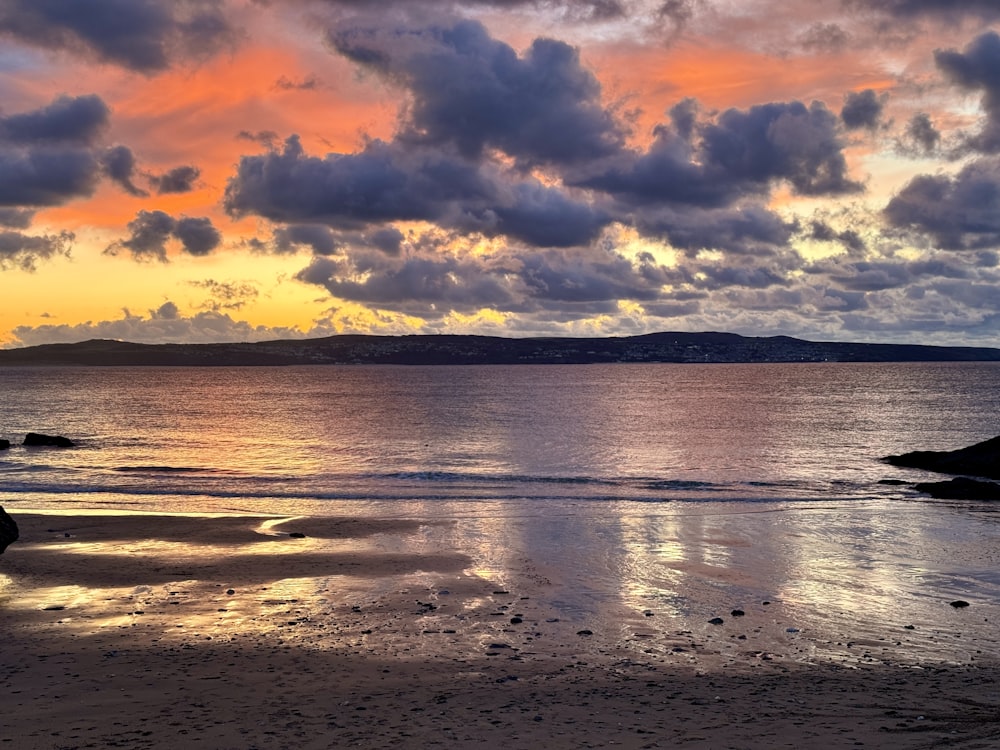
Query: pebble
958	604
716	621
737	613
584	632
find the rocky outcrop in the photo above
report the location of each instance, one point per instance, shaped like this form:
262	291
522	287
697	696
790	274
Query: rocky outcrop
961	488
8	530
52	441
979	460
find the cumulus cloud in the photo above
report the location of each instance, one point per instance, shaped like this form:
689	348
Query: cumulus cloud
977	68
24	251
960	212
180	179
119	165
163	325
921	137
143	35
47	156
474	92
150	231
862	109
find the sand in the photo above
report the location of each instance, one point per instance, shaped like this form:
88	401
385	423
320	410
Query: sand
150	631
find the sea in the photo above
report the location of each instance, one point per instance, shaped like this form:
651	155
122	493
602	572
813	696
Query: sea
684	488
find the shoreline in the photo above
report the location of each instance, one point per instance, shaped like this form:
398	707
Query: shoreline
137	628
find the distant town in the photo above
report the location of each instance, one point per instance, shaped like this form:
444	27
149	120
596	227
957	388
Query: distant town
486	350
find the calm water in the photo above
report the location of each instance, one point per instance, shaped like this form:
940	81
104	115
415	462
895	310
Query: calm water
686	489
289	439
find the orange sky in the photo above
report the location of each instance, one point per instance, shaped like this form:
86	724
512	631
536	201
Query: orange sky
429	131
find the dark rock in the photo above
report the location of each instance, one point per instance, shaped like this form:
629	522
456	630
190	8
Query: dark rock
516	620
959	604
584	632
8	530
4	444
979	460
737	613
893	482
960	488
50	441
716	621
297	535
230	592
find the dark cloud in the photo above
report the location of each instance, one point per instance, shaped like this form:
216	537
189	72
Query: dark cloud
388	239
47	176
25	251
849	238
474	92
741	154
143	35
177	180
959	212
197	235
862	109
49	156
316	237
922	137
266	138
942	9
16	218
287	84
978	68
150	231
118	163
67	120
388	182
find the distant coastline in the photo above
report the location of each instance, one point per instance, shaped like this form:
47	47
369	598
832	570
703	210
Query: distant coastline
483	350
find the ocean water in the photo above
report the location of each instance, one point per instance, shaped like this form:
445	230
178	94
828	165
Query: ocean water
291	439
685	489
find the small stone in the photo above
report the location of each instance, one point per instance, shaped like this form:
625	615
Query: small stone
737	613
297	535
716	621
501	592
959	603
909	627
230	592
584	632
516	620
791	630
499	645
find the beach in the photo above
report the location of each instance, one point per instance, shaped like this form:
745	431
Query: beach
145	631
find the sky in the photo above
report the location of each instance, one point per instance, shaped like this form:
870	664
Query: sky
246	170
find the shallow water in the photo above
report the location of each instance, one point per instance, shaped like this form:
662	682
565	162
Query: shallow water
680	491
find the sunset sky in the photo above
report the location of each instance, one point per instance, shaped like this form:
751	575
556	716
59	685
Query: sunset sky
243	170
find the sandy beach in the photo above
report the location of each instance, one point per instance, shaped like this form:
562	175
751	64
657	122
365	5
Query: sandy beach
149	631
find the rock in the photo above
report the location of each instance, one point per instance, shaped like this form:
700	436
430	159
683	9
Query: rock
716	621
584	632
52	441
8	530
961	488
959	604
297	535
4	444
979	460
516	620
737	613
893	482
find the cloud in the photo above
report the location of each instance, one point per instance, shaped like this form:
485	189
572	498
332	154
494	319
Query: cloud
23	251
143	35
163	325
474	92
49	156
16	218
862	109
287	84
978	68
921	137
70	120
960	212
177	180
118	163
227	295
151	230
387	182
942	9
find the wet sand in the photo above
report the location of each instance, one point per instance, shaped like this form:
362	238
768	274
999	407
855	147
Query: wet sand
143	631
